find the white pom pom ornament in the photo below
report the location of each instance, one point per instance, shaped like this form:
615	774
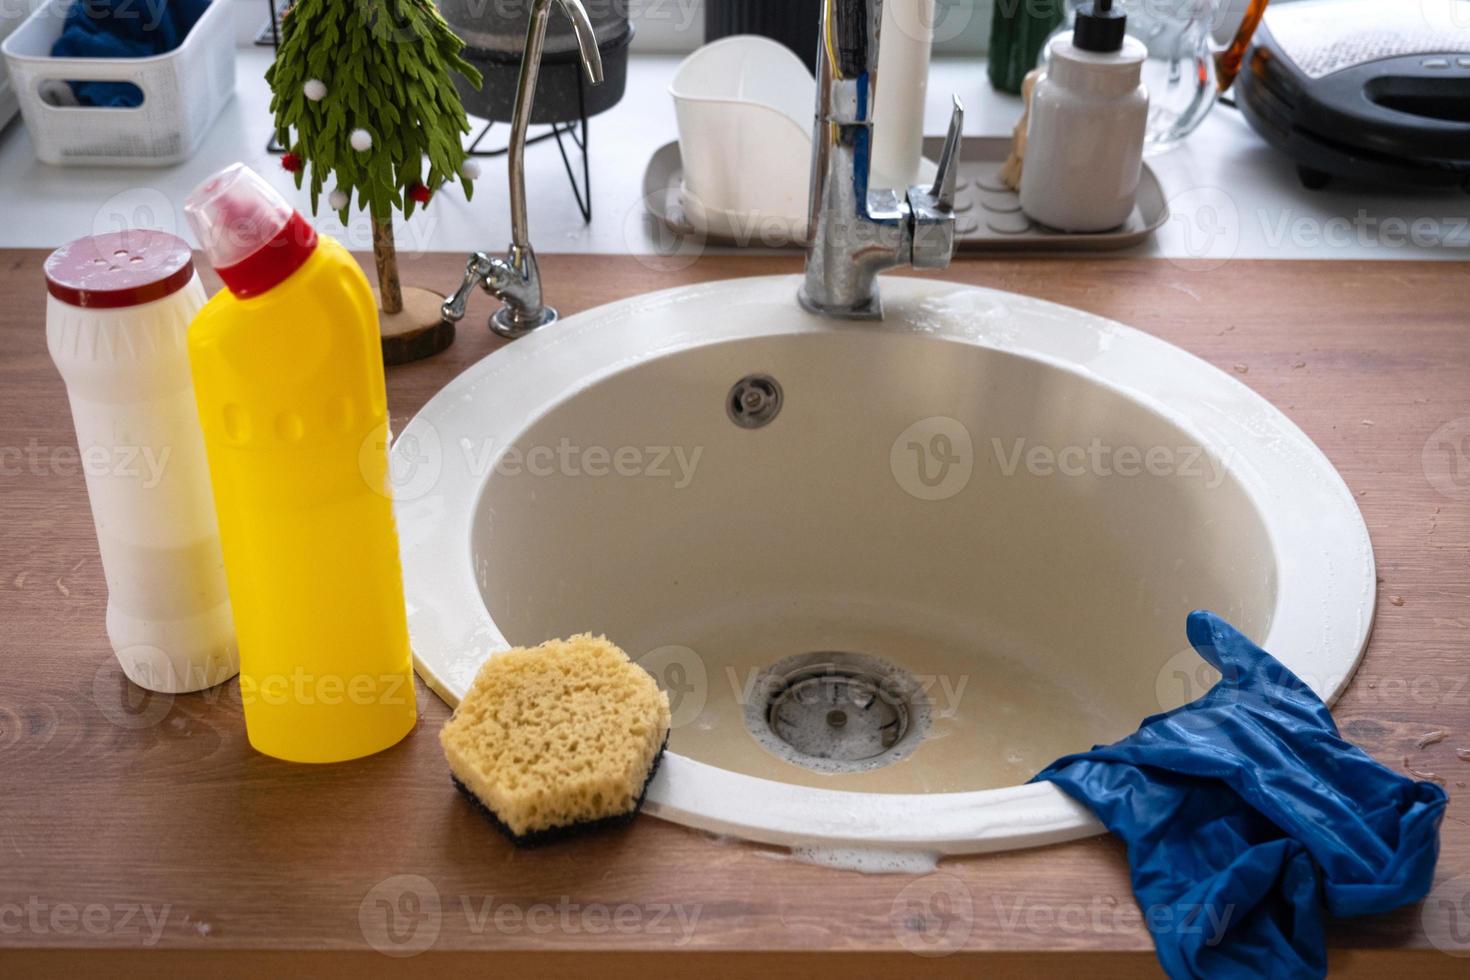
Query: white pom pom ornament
315	89
338	199
469	170
361	140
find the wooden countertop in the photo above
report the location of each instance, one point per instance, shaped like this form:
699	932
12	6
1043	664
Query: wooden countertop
145	824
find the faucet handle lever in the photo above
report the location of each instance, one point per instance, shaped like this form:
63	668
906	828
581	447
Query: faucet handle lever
477	271
931	209
946	177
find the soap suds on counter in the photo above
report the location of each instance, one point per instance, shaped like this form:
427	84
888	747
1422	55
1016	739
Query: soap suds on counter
869	861
1430	738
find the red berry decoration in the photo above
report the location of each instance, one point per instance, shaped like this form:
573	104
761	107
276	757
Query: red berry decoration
420	193
290	162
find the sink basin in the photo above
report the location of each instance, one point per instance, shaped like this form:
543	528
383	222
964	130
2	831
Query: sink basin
886	571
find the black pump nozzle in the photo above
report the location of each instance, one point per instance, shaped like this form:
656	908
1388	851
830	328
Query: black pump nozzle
1099	27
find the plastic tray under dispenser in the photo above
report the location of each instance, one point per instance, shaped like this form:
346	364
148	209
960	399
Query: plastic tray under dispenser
987	213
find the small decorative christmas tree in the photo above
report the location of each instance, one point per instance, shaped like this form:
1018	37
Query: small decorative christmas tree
363	95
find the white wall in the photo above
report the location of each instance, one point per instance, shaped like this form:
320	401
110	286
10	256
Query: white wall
677	26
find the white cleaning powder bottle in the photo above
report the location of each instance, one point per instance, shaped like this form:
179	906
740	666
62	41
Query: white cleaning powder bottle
117	318
1084	141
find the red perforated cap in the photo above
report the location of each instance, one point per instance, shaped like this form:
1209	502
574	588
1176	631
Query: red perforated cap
121	268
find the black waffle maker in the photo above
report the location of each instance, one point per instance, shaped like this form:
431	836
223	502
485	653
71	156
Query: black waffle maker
1377	91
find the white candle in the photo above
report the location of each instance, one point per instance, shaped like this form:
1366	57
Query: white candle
903	79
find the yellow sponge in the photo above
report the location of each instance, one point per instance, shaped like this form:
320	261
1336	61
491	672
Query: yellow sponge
558	737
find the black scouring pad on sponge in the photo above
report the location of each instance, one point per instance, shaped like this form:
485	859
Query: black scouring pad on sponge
558	739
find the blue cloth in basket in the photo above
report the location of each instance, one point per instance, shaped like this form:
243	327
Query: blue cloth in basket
1248	819
122	29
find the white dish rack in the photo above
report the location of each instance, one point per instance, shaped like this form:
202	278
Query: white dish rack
183	92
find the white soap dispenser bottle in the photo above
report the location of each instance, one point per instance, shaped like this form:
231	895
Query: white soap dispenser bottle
1089	112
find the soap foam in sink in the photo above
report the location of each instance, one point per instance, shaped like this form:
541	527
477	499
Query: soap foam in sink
873	861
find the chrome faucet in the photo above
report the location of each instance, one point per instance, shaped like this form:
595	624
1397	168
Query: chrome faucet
516	279
855	232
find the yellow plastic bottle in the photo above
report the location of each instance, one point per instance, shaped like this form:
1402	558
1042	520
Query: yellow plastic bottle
288	377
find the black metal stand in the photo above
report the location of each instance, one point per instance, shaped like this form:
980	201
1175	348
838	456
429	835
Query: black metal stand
574	133
269	34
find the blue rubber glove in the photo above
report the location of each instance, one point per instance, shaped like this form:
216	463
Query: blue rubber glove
1245	814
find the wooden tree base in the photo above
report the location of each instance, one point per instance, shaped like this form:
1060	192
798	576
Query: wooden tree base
418	330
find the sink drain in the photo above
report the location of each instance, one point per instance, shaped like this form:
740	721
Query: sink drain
837	712
754	401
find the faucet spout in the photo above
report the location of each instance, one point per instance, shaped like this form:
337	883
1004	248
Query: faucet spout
853	231
586	39
526	98
516	279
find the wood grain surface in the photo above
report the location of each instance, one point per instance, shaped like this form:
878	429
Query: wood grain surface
146	824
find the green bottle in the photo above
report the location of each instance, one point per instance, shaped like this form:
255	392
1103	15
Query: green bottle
1018	29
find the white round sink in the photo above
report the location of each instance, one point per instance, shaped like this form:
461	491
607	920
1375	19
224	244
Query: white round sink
894	573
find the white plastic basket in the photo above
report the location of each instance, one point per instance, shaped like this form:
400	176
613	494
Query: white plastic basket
183	92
